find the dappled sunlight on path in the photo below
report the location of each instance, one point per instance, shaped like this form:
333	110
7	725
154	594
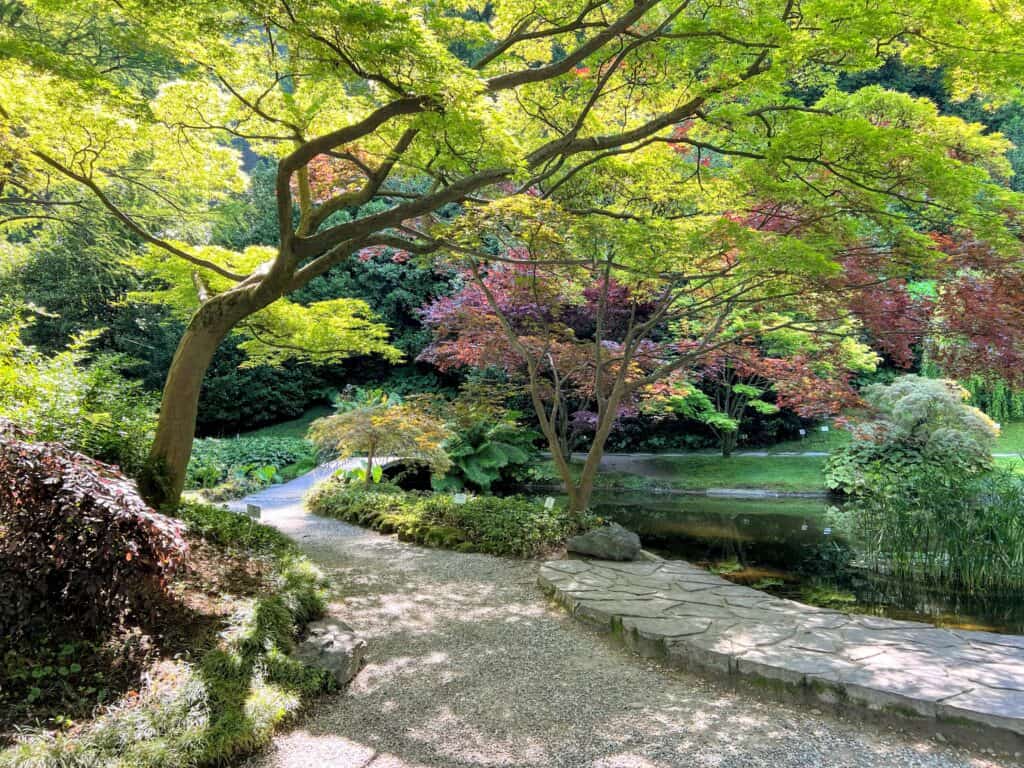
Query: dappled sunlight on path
469	665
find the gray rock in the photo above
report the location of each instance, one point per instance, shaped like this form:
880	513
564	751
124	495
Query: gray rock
333	646
612	542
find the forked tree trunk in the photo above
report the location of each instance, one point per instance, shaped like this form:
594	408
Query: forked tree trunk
579	491
729	441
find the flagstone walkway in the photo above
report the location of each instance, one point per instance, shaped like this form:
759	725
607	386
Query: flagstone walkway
951	680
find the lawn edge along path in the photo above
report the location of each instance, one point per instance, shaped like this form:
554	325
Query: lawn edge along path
968	686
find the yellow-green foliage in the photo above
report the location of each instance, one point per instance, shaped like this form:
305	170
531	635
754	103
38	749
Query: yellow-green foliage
385	427
229	701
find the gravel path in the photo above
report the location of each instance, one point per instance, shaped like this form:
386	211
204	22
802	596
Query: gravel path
469	665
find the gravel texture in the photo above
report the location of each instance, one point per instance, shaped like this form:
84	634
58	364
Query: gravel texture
469	665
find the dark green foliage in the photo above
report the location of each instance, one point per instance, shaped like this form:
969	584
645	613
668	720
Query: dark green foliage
484	453
511	525
75	674
77	541
236	399
394	285
244	464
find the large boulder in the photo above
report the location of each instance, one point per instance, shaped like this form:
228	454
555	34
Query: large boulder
333	646
611	542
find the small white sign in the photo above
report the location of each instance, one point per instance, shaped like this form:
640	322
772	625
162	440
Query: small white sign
824	428
803	432
827	531
549	503
253	511
460	498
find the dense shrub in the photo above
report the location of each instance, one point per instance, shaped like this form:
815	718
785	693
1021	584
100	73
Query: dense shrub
511	525
486	444
228	701
241	465
76	537
925	501
82	400
922	432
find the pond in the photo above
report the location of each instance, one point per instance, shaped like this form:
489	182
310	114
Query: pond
786	547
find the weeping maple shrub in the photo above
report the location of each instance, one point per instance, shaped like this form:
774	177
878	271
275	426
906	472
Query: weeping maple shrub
75	537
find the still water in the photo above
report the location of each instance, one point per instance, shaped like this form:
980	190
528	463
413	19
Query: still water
788	548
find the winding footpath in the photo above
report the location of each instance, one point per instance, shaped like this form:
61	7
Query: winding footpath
469	665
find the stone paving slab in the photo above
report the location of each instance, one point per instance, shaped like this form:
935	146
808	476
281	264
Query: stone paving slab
949	678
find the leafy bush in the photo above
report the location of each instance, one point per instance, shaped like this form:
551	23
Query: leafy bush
487	453
226	704
922	432
83	402
76	536
486	444
237	466
926	503
511	525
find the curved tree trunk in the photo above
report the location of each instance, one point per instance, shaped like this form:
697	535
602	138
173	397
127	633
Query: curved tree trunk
164	477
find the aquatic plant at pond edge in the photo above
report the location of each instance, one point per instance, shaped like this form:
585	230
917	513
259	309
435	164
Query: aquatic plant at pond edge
968	535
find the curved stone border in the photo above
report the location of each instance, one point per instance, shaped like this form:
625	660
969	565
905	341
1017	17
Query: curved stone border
967	685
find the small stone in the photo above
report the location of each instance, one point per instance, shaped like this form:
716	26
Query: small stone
333	646
940	738
611	542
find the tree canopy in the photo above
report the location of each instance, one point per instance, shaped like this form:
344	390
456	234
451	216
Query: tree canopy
673	137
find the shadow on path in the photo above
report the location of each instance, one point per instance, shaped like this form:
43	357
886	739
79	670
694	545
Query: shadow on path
469	665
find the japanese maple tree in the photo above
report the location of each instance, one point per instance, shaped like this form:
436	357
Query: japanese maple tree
660	117
807	372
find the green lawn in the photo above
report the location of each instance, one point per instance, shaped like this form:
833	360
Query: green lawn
815	440
1011	438
791	473
701	471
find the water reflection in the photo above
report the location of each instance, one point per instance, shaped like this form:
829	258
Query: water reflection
787	547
